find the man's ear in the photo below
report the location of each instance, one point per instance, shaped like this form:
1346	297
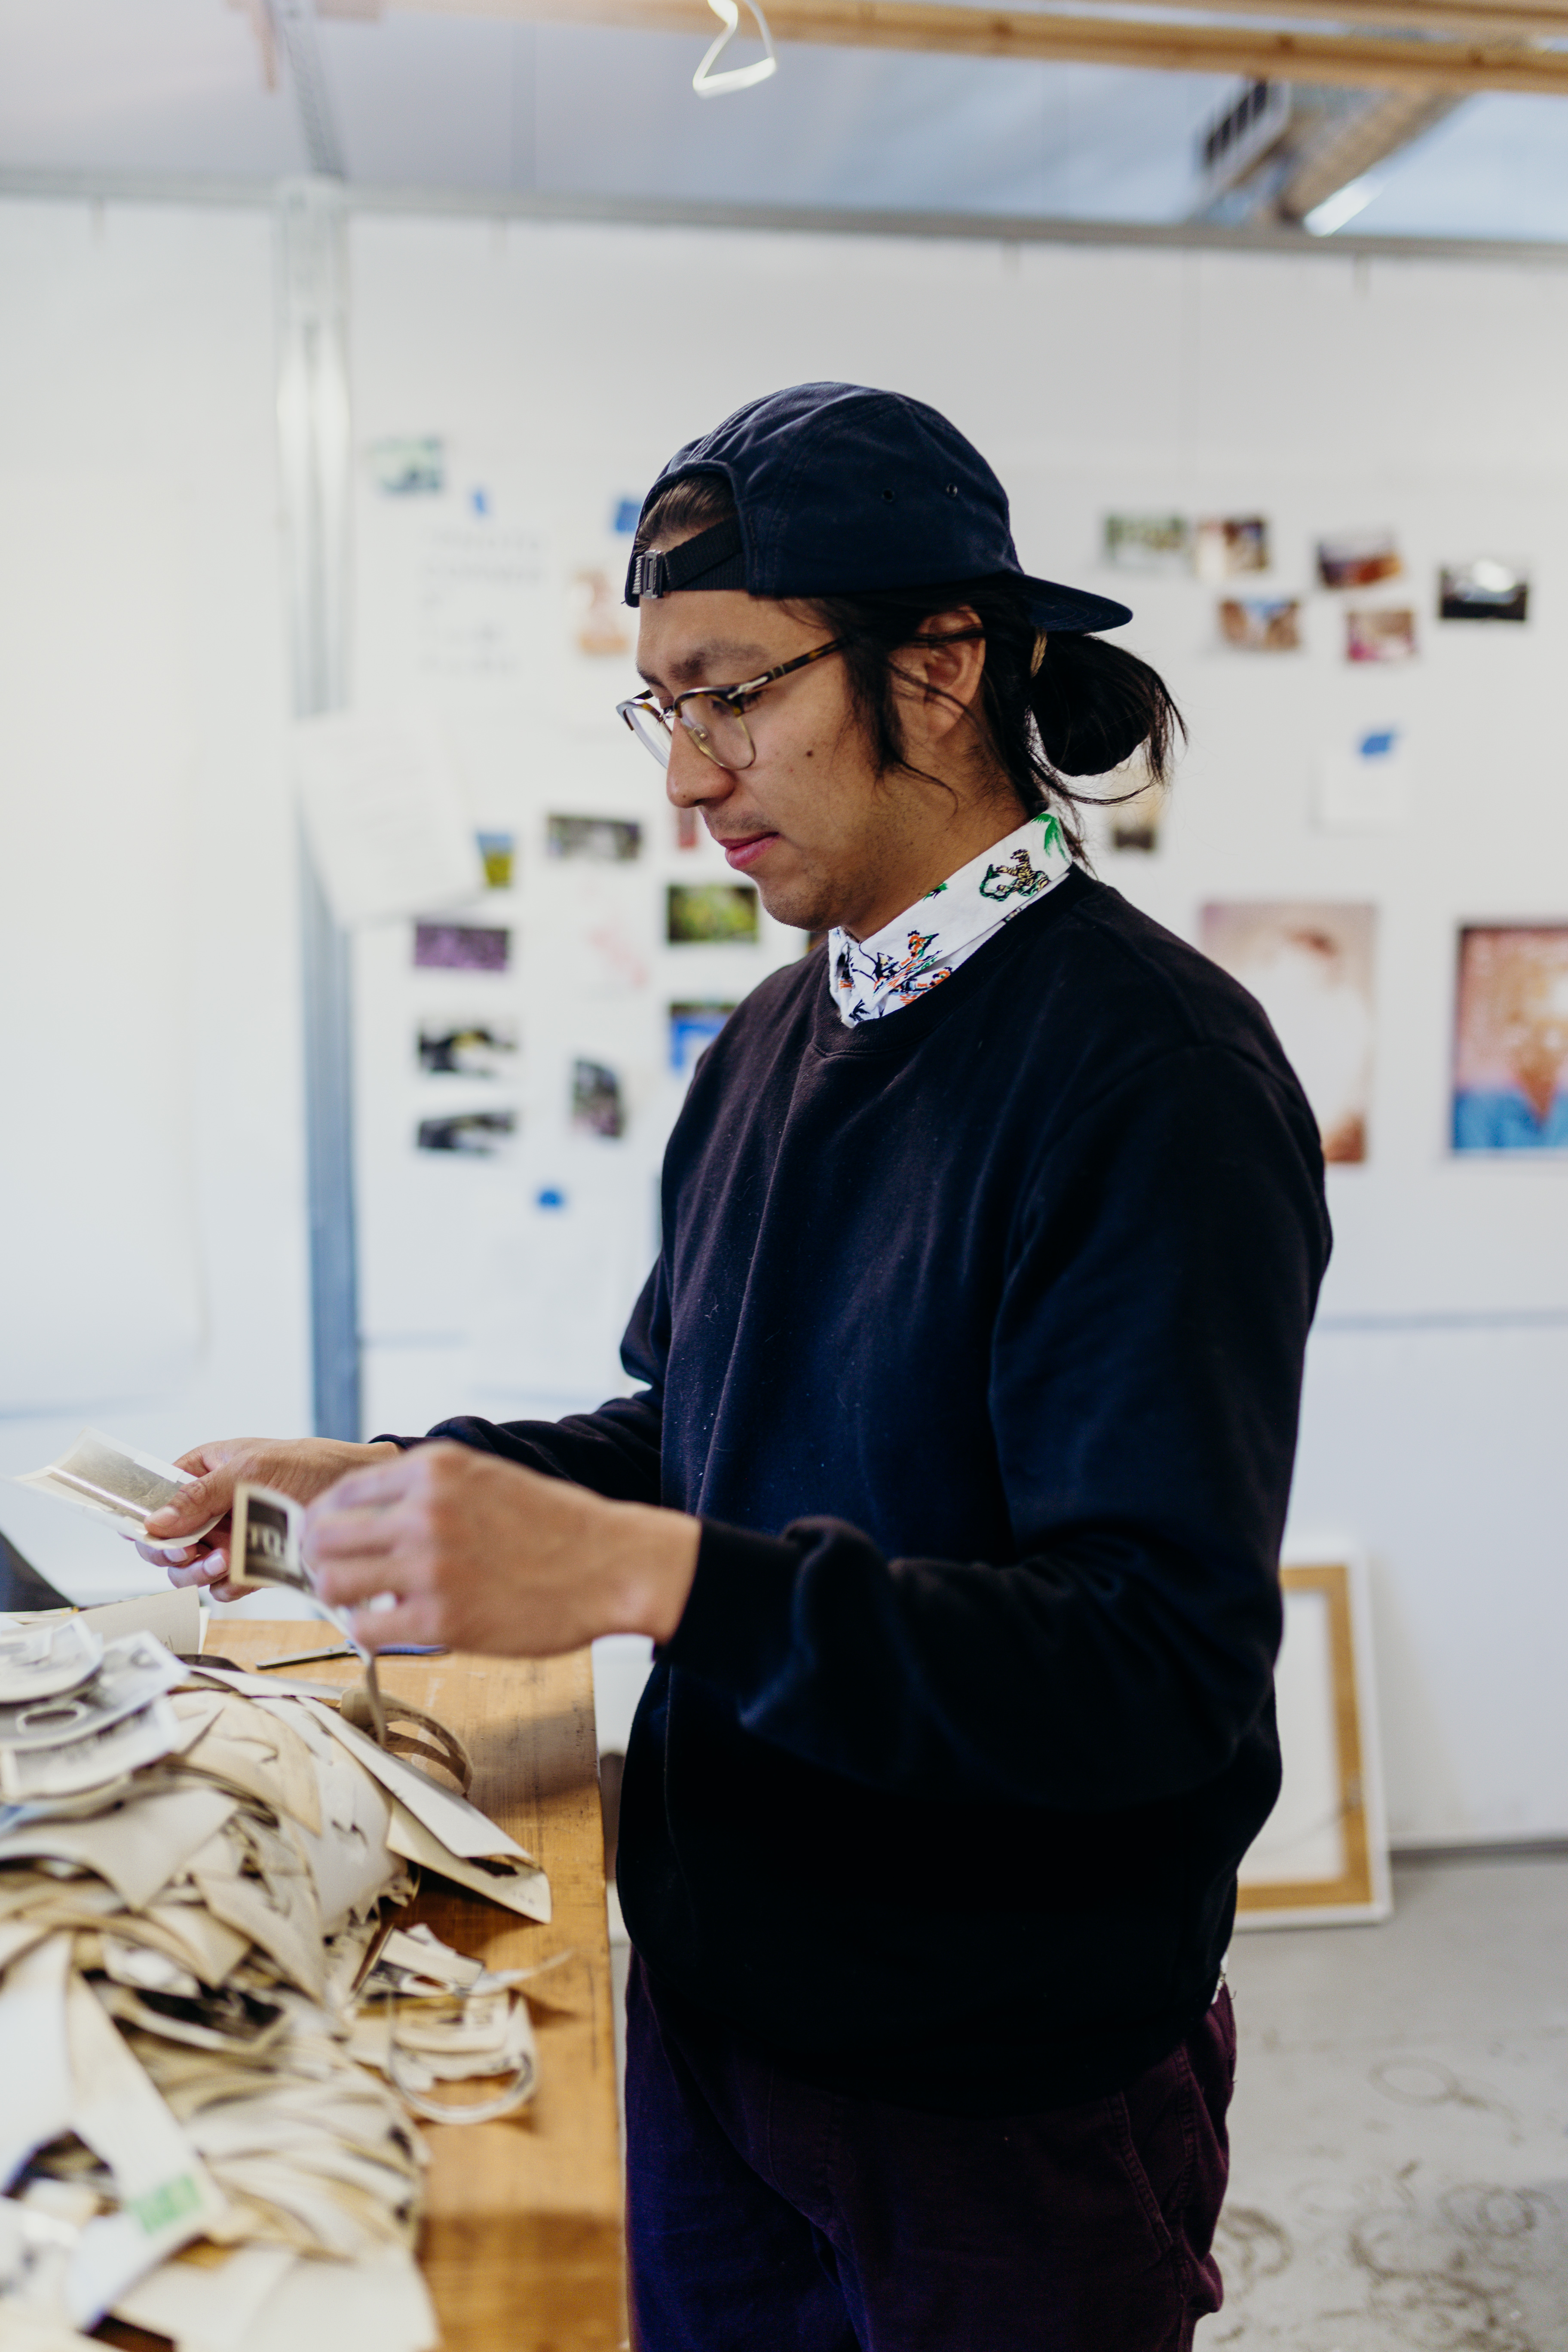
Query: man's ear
943	668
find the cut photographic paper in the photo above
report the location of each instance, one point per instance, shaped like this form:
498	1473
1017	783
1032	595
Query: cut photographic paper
691	1027
460	947
1310	965
604	840
1486	590
1510	1039
1357	559
1147	542
1261	625
1226	545
711	914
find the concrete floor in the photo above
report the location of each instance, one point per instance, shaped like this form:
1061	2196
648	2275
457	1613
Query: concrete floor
1400	2132
1399	2164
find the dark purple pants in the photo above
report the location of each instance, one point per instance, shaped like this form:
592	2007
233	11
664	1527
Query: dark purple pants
765	2215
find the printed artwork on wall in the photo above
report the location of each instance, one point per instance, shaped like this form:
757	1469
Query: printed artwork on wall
473	1134
602	840
466	1049
1225	546
711	914
1147	542
1356	558
1380	633
1261	625
408	465
1510	1038
497	855
460	947
597	1107
692	1028
1486	590
1310	965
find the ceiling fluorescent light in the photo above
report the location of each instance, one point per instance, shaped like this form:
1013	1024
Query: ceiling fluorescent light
708	84
1343	205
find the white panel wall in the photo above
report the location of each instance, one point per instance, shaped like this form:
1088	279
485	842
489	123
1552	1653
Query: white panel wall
151	1210
1329	393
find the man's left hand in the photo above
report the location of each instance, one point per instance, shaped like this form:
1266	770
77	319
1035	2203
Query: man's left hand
481	1554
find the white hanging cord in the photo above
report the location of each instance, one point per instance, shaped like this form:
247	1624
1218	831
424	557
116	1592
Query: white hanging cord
708	84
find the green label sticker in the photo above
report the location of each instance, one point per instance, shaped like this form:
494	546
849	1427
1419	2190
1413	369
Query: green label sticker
169	2202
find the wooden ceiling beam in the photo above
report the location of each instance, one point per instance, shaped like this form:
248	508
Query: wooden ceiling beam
1357	60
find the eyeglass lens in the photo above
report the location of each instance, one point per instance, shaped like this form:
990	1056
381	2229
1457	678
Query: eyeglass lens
720	734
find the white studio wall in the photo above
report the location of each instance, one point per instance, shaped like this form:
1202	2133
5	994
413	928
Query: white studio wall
154	1203
552	369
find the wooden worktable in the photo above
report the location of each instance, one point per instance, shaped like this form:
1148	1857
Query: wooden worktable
521	2243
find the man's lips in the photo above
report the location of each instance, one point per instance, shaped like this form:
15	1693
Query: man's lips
743	849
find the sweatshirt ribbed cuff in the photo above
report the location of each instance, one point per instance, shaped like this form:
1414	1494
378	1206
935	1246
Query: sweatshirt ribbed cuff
737	1624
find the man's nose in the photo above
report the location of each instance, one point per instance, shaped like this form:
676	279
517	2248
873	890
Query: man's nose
691	779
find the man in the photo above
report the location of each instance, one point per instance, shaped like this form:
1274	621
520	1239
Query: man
953	1493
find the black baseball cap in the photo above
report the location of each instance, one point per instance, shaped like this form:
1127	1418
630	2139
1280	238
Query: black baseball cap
839	489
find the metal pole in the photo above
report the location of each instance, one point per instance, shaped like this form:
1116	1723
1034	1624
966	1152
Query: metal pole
313	430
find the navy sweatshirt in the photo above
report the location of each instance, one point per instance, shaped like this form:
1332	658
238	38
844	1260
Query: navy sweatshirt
976	1341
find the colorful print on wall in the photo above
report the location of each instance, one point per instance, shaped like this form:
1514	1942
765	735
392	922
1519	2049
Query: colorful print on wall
408	465
460	947
470	1134
1380	633
1261	625
497	855
692	1028
1486	590
1147	542
601	840
1510	1038
1310	965
466	1049
1357	559
1226	546
597	1107
711	914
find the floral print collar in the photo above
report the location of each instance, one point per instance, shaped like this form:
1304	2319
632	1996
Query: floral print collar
924	946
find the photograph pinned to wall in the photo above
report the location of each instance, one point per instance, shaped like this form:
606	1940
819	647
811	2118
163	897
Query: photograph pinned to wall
1147	542
1225	546
408	465
1510	1038
1134	814
461	947
1310	965
601	623
468	1134
1358	559
497	855
1380	633
598	1107
1485	590
692	1028
1261	625
480	1048
600	840
688	828
1368	788
711	914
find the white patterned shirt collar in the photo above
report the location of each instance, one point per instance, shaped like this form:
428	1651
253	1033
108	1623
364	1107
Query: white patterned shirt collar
920	948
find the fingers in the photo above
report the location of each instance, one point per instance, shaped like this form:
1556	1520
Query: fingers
208	1568
385	1482
418	1620
200	1502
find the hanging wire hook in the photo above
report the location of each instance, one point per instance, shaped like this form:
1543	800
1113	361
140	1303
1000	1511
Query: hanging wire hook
708	84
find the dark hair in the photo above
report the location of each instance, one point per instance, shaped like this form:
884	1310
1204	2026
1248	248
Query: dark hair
1049	707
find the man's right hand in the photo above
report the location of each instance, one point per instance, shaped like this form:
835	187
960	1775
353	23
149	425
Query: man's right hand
303	1467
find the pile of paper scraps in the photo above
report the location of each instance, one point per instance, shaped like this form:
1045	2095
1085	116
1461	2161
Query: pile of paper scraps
211	2031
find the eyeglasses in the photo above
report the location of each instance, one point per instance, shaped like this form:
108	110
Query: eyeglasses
713	715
